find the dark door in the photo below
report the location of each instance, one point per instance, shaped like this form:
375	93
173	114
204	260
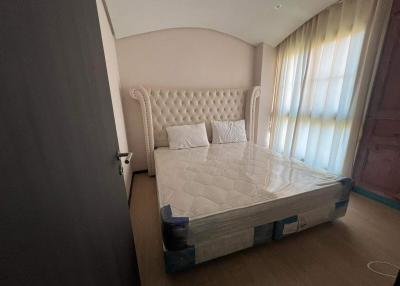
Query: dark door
64	216
377	167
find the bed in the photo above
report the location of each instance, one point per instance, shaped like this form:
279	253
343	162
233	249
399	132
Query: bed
220	199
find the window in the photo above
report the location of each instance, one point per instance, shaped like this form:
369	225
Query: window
315	91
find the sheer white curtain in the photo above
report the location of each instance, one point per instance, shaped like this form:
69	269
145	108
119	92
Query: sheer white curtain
320	69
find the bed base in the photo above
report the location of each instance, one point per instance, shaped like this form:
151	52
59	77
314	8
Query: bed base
179	255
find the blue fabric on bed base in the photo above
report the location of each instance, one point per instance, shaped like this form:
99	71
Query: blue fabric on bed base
347	184
263	233
340	209
179	260
175	229
280	225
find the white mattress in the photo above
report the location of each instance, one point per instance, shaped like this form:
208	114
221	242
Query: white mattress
201	182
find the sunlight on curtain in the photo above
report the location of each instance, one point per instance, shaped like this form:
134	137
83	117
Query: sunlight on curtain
318	67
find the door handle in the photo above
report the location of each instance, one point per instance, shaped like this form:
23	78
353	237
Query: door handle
127	155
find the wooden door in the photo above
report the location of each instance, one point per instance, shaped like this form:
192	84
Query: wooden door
377	167
64	217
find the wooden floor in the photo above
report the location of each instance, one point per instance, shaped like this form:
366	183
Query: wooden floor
330	254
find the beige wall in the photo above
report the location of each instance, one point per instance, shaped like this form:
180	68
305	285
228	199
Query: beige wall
114	82
195	58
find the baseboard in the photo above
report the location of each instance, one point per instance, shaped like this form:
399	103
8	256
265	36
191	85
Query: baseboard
379	198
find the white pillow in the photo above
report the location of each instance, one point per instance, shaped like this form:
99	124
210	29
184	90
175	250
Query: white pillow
228	131
187	136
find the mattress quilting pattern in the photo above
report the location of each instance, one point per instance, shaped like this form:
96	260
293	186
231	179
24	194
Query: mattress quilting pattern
205	181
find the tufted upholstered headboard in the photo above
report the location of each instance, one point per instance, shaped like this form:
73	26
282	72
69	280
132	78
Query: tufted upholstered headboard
166	107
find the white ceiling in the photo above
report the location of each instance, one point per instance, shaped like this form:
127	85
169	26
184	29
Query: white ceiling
253	21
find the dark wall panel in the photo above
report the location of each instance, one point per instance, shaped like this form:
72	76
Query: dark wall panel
377	167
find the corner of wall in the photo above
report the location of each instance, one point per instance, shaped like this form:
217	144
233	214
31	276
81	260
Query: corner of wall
110	55
264	76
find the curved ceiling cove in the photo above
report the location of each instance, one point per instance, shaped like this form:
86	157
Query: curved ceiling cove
254	21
